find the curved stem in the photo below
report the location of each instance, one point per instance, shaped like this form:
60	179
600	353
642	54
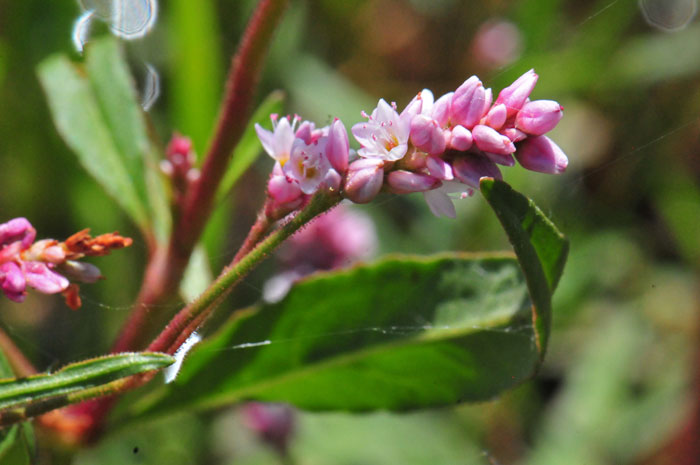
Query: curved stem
190	317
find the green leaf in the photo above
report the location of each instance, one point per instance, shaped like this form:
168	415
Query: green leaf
22	398
197	275
401	334
15	443
541	249
96	112
248	149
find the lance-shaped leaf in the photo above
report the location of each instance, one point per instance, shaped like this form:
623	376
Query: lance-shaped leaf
404	333
95	110
22	398
541	249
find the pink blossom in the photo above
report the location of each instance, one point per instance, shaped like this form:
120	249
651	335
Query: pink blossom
385	134
308	164
278	142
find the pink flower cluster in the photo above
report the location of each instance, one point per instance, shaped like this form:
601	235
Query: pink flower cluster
47	265
438	147
447	145
306	158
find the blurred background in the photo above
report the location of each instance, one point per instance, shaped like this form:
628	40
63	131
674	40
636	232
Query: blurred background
621	381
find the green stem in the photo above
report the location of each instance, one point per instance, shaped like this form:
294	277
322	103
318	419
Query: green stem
190	317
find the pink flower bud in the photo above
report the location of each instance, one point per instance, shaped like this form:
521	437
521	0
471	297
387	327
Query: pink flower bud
427	136
180	155
539	117
364	180
501	159
469	169
515	95
41	278
439	168
12	281
461	138
18	229
541	154
338	147
406	182
306	132
468	103
333	180
490	140
283	190
496	117
515	135
441	109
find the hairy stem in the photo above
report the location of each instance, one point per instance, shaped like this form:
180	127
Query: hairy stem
190	317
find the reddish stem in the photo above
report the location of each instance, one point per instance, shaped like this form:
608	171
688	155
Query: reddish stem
167	265
164	272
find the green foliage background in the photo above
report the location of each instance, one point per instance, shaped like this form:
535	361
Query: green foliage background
616	385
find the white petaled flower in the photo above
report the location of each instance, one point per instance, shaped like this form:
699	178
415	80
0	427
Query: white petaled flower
385	134
278	142
308	164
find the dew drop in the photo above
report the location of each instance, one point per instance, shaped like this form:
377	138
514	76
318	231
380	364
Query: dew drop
668	15
127	19
81	30
151	90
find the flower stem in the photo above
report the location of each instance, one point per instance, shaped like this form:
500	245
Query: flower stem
190	317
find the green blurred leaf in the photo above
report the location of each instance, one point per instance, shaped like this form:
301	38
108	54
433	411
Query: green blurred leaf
196	74
541	249
404	333
22	398
248	149
197	275
16	442
97	114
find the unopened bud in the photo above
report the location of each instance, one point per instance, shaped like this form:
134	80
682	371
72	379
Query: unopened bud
427	136
541	154
461	138
515	95
439	168
337	147
469	169
364	180
490	140
539	117
406	182
468	103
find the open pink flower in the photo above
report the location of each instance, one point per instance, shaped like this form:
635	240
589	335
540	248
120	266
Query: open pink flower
385	134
